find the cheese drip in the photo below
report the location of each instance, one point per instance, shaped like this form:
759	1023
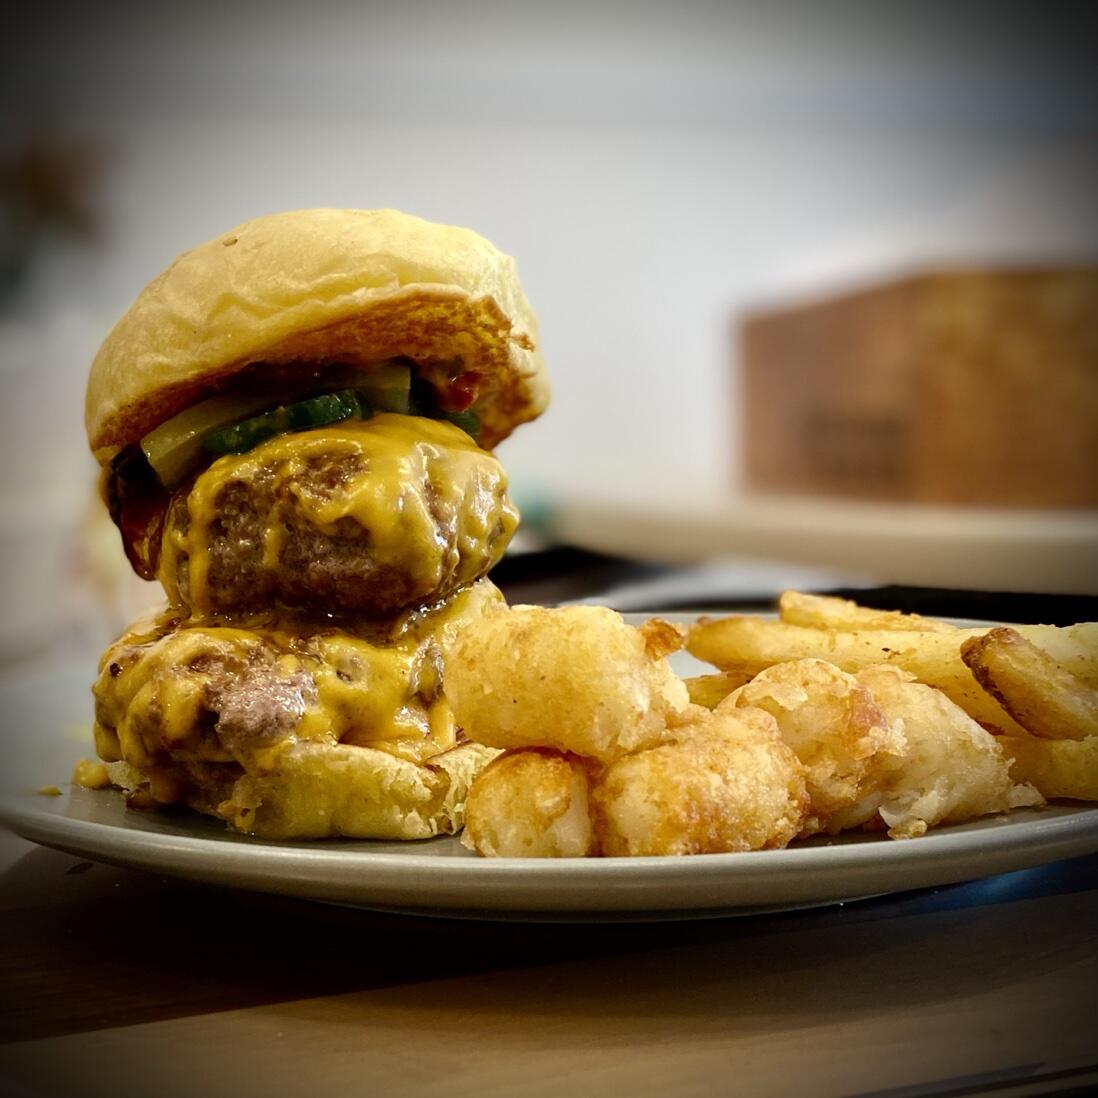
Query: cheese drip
172	691
389	511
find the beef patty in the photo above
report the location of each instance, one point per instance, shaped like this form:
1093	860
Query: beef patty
360	519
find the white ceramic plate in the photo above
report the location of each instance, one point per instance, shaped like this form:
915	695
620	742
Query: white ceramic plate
46	730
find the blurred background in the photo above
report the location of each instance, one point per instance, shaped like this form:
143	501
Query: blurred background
816	281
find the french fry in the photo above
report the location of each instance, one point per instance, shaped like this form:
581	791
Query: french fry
828	612
1042	678
711	690
1031	686
745	646
1057	768
1073	647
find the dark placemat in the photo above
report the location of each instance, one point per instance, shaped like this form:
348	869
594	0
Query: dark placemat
560	573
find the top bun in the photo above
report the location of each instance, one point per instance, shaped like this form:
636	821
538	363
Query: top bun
325	285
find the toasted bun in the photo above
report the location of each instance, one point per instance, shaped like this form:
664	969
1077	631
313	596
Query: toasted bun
353	286
326	791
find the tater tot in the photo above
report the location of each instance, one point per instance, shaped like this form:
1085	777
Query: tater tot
530	804
951	770
833	725
577	679
725	782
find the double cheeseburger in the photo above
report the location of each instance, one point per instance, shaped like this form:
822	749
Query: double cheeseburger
294	424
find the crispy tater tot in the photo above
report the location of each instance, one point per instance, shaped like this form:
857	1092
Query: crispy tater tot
531	803
951	770
834	727
725	782
576	679
661	638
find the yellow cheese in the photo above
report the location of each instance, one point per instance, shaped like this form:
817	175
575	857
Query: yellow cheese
165	688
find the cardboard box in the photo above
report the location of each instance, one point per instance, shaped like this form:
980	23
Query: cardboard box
957	387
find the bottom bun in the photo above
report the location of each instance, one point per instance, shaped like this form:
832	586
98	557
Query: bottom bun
322	791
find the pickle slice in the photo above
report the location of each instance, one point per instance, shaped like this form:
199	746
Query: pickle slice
318	411
175	448
231	423
468	421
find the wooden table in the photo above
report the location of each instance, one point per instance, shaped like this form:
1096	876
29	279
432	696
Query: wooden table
121	984
117	983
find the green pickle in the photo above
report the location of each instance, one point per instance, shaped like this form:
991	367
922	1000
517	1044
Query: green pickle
387	388
318	411
467	421
215	426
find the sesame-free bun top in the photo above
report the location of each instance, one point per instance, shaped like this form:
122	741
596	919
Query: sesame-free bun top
323	285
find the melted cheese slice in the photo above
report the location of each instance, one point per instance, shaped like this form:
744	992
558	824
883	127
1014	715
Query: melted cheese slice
202	691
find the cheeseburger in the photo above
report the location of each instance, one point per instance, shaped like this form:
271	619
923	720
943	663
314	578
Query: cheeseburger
294	424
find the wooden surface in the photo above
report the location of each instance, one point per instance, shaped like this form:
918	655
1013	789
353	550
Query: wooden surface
125	984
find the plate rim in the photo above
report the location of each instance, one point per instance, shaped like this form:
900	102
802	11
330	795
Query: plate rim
616	888
861	847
